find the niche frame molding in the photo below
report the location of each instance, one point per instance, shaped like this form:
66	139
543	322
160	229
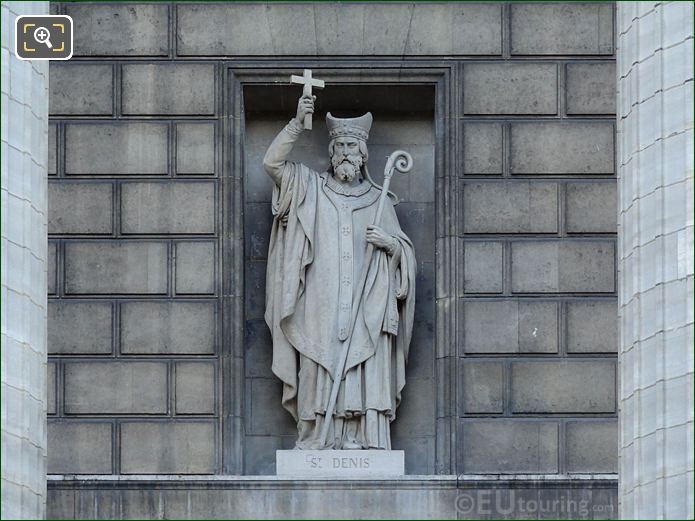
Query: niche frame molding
446	78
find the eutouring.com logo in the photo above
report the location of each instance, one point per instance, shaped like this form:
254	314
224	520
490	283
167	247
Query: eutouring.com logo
505	502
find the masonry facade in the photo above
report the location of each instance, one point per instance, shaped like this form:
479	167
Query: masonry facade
156	234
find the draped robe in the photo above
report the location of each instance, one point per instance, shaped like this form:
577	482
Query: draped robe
315	260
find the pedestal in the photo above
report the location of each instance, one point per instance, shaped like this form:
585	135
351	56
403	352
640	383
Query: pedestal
340	463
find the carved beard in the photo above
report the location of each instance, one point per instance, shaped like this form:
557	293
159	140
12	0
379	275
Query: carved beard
345	168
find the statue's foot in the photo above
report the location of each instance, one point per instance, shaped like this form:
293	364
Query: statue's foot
351	445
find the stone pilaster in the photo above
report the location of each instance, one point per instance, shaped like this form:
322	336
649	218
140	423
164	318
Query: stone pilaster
655	158
24	255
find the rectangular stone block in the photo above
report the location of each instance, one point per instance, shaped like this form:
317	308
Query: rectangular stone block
592	447
473	29
80	89
51	268
154	89
590	88
259	133
421	186
416	415
510	326
246	30
107	267
52	149
563	387
177	328
508	447
115	388
259	30
563	266
422	352
574	147
120	30
399	129
675	438
259	453
258	222
307	500
591	207
592	327
254	289
419	454
561	29
80	208
168	208
258	186
60	503
23	432
504	88
195	388
76	327
417	220
482	387
195	268
195	148
168	447
510	207
79	448
51	407
483	264
482	144
116	148
340	463
258	349
265	414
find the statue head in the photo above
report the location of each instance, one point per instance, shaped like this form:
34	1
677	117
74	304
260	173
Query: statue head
348	145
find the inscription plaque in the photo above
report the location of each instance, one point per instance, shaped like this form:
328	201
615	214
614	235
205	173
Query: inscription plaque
340	463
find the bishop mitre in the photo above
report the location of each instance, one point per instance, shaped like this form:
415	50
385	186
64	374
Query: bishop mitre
322	225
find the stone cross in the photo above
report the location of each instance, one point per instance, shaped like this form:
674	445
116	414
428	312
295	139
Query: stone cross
308	83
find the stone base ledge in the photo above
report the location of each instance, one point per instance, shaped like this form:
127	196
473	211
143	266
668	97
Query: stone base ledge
272	497
55	480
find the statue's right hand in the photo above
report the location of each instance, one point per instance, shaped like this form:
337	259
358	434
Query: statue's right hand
304	107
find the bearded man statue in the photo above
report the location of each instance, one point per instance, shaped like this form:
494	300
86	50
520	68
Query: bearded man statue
322	225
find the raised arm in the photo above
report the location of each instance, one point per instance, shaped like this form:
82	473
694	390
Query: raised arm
280	148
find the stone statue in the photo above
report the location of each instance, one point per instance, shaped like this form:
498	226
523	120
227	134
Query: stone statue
340	291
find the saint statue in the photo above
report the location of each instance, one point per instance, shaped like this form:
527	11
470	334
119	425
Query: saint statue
323	241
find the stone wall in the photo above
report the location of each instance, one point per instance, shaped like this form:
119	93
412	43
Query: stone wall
536	368
655	137
138	340
133	316
134	219
24	159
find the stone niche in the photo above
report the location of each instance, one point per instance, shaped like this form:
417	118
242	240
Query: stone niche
404	117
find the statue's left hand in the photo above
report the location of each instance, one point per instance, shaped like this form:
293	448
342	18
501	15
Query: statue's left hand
379	238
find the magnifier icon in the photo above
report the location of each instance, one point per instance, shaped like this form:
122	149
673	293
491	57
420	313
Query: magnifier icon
42	35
